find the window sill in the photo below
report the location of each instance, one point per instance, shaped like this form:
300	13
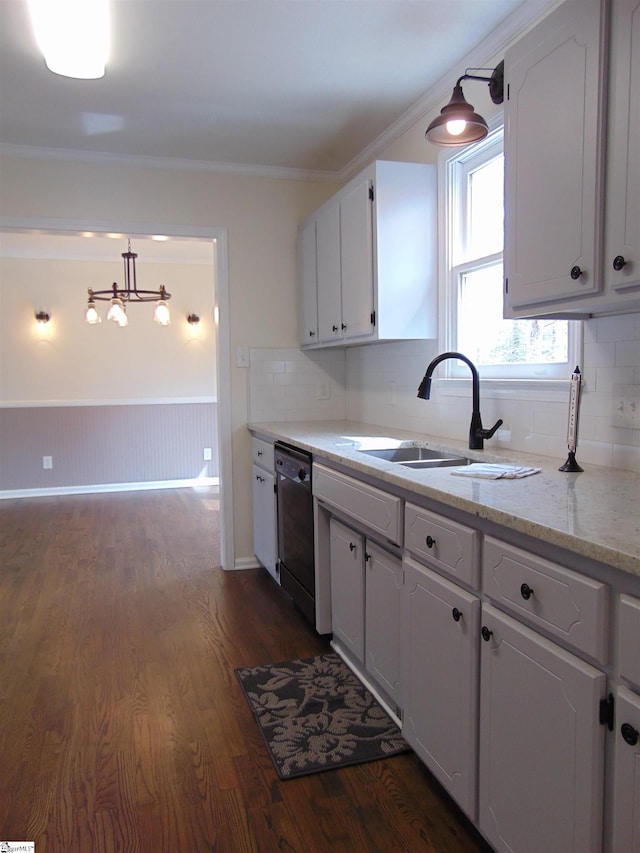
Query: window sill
553	390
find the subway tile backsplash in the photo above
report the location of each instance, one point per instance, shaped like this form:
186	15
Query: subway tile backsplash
377	384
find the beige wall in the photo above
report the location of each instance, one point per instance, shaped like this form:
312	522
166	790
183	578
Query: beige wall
68	361
260	215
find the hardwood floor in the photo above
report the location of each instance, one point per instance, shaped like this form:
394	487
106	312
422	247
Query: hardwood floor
123	726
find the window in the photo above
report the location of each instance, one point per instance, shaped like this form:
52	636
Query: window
473	279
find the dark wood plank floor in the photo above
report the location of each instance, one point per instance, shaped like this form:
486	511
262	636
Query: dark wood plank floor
123	727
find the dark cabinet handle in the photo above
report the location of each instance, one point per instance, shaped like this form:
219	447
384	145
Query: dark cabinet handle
352	547
576	272
629	734
619	262
259	478
312	334
260	453
525	591
430	541
486	634
334	328
457	615
343	326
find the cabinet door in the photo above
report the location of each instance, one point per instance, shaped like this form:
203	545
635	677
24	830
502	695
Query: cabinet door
383	582
347	587
554	125
541	744
357	261
627	773
308	285
328	273
264	519
623	223
440	660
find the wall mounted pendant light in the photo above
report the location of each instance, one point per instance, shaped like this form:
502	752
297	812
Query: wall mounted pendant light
120	297
457	123
73	35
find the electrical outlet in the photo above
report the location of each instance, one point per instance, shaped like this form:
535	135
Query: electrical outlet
206	454
626	406
47	462
391	393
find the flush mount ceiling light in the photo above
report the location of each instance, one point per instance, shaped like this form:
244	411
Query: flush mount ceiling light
42	317
73	35
120	297
457	123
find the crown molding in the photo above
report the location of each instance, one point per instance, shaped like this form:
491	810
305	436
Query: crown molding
35	152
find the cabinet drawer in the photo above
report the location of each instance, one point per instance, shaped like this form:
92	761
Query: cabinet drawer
262	453
373	508
444	544
570	606
629	639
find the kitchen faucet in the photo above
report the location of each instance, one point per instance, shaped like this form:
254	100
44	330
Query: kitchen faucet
476	432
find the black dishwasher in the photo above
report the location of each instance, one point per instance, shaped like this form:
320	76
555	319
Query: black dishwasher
295	526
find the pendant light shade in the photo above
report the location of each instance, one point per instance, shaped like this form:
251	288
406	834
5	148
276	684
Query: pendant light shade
457	123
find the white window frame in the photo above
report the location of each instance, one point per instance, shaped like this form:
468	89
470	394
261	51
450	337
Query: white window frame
454	377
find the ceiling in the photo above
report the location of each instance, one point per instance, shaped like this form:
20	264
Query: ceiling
301	85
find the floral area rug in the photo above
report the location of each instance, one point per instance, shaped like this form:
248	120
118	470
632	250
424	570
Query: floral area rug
314	715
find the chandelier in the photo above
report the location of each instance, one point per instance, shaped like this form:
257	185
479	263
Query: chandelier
120	297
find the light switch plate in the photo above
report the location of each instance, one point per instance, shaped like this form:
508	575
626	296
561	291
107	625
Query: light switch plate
625	411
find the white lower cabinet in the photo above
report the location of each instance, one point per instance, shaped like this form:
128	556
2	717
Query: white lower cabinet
366	589
626	793
383	597
441	624
265	535
493	653
347	587
541	743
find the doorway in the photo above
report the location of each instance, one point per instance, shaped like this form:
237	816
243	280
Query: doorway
211	241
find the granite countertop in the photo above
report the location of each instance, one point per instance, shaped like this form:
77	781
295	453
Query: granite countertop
593	513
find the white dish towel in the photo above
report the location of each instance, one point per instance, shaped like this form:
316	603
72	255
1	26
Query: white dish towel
495	472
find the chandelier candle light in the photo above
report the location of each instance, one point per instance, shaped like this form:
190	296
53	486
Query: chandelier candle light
572	422
120	297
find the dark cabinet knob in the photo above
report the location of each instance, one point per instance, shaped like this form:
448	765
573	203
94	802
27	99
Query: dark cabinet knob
629	734
343	326
312	334
352	547
259	478
457	615
525	591
576	272
619	262
334	328
486	634
430	541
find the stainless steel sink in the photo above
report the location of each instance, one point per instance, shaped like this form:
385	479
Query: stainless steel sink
417	457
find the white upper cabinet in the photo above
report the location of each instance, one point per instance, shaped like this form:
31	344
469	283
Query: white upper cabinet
370	251
307	283
556	83
622	244
553	177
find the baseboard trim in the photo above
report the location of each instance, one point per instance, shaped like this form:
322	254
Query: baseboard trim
194	483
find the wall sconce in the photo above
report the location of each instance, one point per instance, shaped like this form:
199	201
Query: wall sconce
193	319
42	317
457	123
